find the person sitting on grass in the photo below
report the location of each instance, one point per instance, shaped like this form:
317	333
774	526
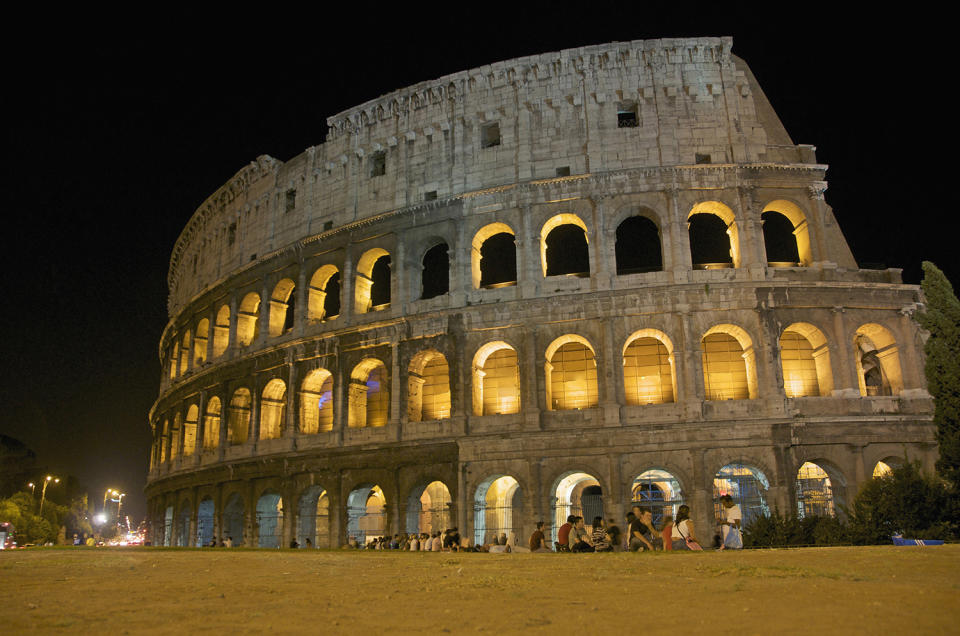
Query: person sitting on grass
538	541
683	530
563	534
579	540
601	539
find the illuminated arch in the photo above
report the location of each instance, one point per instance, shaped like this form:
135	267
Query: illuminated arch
323	302
501	270
497	509
200	342
176	436
273	409
576	493
185	352
805	360
205	515
174	359
316	402
428	509
372	291
232	519
435	271
283	302
884	467
729	364
211	424
314	517
428	387
649	374
571	374
700	240
369	395
366	513
190	430
238	424
165	442
878	361
572	246
496	379
270	520
247	318
814	492
747	485
658	490
798	221
221	331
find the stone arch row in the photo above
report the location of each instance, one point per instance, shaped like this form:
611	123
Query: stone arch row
563	244
495	508
571	382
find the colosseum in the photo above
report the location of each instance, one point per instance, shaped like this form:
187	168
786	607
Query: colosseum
559	284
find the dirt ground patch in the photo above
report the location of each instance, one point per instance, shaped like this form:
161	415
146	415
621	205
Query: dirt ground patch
135	590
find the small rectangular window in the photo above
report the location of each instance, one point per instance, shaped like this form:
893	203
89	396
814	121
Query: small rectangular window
378	164
327	225
253	257
232	234
430	196
291	200
563	171
627	115
490	135
702	158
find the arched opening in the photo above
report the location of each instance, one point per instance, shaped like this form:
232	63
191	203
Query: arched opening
369	395
659	491
729	369
165	442
205	516
247	317
273	409
435	275
211	424
884	468
778	238
324	296
571	373
283	302
878	361
239	417
577	494
176	436
316	402
497	509
366	513
428	396
563	247
496	380
638	247
183	525
648	373
314	516
493	258
428	509
185	352
373	281
805	360
190	430
714	240
168	539
814	492
747	485
269	520
174	359
232	522
200	342
221	331
790	239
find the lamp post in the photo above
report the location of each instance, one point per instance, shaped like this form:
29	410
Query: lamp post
43	494
119	505
33	489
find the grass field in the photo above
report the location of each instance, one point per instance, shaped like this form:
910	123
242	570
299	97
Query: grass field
835	590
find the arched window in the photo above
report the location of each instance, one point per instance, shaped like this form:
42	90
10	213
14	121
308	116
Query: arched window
373	281
316	402
729	370
211	424
428	509
324	298
200	342
185	352
272	409
638	248
239	417
788	239
247	319
269	520
369	395
174	359
805	359
659	491
176	436
493	257
571	372
190	430
221	331
435	275
714	240
283	303
648	368
165	442
878	361
315	517
747	485
366	513
814	492
563	246
497	509
428	395
579	494
496	380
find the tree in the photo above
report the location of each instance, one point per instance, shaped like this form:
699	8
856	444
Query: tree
942	320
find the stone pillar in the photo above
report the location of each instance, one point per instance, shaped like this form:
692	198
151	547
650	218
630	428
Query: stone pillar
395	384
610	380
291	418
251	531
679	246
263	322
845	380
195	507
398	282
532	397
234	321
303	302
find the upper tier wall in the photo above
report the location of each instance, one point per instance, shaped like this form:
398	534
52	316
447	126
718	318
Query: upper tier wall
557	113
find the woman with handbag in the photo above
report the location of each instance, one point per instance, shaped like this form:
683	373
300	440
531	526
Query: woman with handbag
683	534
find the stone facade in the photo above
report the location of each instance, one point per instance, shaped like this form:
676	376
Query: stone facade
349	327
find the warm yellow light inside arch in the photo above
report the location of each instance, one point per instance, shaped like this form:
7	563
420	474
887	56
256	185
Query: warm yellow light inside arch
221	331
272	409
364	279
478	240
648	368
571	374
727	216
805	361
318	292
314	416
496	379
279	301
795	215
723	376
887	352
368	406
554	222
190	430
247	318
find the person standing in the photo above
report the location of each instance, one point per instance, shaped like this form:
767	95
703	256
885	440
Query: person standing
730	524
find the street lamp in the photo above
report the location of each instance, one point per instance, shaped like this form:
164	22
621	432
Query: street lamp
43	494
33	489
119	504
110	491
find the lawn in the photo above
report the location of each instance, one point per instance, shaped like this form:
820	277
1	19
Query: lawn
134	590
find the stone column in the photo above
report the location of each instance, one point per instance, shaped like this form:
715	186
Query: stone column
610	377
845	379
234	320
291	418
679	246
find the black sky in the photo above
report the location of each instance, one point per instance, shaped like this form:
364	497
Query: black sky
114	136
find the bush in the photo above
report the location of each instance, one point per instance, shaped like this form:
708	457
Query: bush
777	531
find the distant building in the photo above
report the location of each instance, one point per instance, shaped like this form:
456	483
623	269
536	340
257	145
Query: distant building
558	284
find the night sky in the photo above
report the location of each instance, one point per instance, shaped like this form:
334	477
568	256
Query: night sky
114	137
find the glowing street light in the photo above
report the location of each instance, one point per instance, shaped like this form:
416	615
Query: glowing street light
119	504
33	489
110	491
46	483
